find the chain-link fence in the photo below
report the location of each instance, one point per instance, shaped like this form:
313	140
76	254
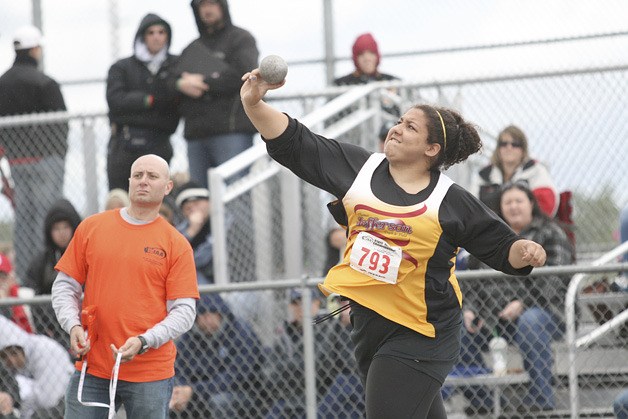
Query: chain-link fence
276	226
277	364
574	121
289	211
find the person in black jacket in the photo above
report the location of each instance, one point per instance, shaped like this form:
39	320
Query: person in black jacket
208	75
59	226
366	58
142	109
35	151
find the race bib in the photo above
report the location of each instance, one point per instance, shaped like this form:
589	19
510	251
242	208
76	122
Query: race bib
376	258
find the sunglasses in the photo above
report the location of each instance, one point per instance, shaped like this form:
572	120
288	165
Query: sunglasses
514	144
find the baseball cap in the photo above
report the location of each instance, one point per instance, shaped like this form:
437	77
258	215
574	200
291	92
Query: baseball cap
27	37
5	264
191	191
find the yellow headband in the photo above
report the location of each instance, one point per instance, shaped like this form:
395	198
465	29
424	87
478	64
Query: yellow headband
444	130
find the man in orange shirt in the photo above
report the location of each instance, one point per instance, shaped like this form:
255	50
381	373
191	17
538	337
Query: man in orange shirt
139	280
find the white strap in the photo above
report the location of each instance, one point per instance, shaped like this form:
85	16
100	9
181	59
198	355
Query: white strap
113	385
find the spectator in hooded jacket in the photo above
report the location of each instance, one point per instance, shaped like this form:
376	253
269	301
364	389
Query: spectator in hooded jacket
208	76
366	58
36	152
219	365
59	226
511	162
142	109
40	365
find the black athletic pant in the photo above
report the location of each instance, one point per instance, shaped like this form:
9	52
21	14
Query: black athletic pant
395	390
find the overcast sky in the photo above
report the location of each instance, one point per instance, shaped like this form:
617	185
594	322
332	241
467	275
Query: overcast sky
79	37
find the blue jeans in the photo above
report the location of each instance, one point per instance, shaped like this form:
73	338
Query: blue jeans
208	152
141	400
535	330
620	405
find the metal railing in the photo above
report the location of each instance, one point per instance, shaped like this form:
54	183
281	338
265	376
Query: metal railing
575	343
270	294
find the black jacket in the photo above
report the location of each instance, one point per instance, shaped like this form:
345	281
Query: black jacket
130	83
41	272
222	56
24	90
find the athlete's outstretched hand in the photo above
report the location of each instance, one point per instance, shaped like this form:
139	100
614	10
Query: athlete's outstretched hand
254	88
526	252
268	121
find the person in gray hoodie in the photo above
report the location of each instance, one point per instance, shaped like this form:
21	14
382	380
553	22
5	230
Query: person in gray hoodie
40	365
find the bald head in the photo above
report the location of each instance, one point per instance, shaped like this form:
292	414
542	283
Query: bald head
154	161
149	183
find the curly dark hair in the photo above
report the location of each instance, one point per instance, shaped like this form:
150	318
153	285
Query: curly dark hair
463	139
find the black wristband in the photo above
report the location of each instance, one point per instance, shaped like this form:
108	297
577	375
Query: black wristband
144	347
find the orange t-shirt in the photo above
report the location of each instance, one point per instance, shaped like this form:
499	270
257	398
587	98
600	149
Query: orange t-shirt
128	272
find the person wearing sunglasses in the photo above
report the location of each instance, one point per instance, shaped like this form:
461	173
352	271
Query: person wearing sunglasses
511	162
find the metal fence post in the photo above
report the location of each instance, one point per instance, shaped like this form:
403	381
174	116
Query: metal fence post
90	166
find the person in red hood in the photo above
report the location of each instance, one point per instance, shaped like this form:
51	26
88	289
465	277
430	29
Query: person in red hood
9	288
366	58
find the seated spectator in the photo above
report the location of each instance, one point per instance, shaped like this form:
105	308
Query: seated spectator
345	396
620	405
117	198
9	394
193	200
59	226
529	311
511	163
474	342
10	288
287	376
41	367
219	366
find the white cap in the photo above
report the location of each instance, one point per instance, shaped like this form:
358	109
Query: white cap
27	37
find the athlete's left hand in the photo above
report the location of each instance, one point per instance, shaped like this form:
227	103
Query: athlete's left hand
526	252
